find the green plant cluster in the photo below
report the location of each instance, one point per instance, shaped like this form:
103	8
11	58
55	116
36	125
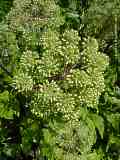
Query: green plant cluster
59	94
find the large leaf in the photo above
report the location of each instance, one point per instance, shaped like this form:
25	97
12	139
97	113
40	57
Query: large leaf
6	112
99	123
114	119
4	96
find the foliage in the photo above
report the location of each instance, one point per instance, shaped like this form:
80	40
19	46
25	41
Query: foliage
56	101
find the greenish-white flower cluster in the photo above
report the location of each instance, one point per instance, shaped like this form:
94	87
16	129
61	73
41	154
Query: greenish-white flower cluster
69	93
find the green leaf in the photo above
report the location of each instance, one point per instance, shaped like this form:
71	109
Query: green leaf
6	111
4	96
114	119
114	139
99	123
93	156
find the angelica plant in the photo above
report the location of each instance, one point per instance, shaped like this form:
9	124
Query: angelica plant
61	82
